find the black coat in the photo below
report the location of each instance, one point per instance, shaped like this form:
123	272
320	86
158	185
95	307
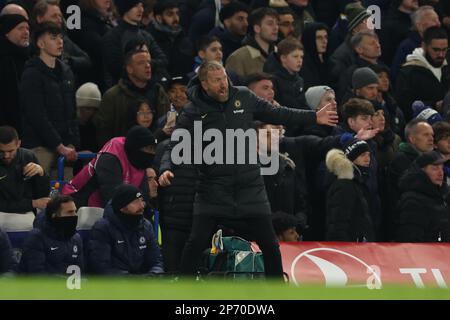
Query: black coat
178	49
113	44
5	253
348	213
341	59
12	61
48	102
231	190
45	252
424	213
16	194
288	87
115	248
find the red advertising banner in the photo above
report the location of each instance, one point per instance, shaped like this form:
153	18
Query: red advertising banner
345	264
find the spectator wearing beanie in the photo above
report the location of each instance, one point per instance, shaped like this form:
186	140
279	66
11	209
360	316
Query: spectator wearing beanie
128	29
88	98
121	160
316	98
234	17
344	56
122	242
423	209
170	37
14	45
348	199
287	227
426	113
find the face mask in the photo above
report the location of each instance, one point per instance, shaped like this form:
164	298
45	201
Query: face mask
65	226
365	171
140	159
130	220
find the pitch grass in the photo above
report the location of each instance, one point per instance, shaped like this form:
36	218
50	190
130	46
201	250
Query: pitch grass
157	289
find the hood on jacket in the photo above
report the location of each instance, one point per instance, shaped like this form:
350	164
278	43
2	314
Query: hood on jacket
415	179
309	40
339	165
417	58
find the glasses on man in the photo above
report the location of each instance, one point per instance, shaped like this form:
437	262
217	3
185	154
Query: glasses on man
144	113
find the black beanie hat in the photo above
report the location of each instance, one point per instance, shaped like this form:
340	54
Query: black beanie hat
138	137
10	21
123	195
123	6
231	9
355	148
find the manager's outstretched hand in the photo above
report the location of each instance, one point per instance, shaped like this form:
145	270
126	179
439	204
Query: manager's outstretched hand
327	116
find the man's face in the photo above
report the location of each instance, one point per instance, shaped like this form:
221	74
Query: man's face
139	67
429	19
103	5
435	173
170	17
177	95
436	52
321	41
268	30
363	160
51	44
20	35
67	209
384	82
263	89
368	92
238	23
8	151
286	24
289	235
422	138
369	48
216	85
134	15
362	121
53	14
378	120
136	207
213	52
293	61
410	5
443	145
327	98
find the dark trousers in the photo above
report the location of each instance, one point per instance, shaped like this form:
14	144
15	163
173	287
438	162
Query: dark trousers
173	241
261	231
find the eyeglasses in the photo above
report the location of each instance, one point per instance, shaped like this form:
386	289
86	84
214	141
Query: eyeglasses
144	113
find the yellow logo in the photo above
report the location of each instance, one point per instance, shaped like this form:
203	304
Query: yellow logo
237	104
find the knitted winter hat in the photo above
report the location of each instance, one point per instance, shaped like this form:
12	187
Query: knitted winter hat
123	6
421	111
231	9
314	95
363	77
88	95
355	14
355	148
10	21
124	195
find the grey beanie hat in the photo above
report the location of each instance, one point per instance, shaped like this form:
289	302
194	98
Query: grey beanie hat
314	95
88	95
363	77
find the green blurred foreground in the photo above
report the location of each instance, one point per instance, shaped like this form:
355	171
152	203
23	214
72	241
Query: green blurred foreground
160	289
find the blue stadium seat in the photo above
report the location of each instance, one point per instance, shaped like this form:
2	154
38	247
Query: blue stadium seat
17	226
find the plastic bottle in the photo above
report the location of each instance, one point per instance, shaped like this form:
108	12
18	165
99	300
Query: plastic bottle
55	190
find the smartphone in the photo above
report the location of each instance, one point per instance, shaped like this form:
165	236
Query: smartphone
171	118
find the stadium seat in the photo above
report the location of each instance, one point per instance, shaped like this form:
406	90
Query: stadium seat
16	226
87	216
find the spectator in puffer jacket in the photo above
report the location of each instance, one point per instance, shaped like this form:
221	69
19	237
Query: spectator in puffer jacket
122	242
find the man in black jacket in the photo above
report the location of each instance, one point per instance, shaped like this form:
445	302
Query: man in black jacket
54	245
14	44
24	186
48	100
423	211
231	191
114	42
123	242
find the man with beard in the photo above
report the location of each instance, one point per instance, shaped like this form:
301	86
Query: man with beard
121	160
425	75
54	245
14	44
122	242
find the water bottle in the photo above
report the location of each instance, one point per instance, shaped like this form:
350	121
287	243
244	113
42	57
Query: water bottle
55	190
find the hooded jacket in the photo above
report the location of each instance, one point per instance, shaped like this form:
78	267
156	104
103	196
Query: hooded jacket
419	80
48	103
348	216
231	190
116	248
424	215
288	86
45	252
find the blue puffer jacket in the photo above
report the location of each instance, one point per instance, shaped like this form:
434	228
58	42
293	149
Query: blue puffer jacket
115	248
46	252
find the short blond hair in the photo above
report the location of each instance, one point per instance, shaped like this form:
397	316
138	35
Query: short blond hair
207	66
